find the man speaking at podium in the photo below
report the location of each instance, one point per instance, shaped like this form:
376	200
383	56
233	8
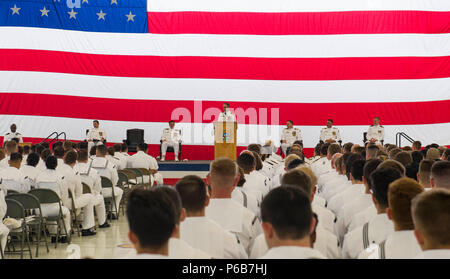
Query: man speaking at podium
226	115
95	136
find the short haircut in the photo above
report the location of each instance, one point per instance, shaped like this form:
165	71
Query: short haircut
246	161
45	153
242	180
67	145
324	149
96	121
339	162
151	217
93	150
11	146
372	151
258	161
171	121
16	156
192	191
55	145
292	122
295	163
425	171
223	172
33	148
440	172
404	158
392	164
380	180
110	150
357	169
51	162
317	148
228	105
117	147
124	147
310	173
39	148
143	146
394	152
333	149
32	159
400	194
359	150
82	145
431	216
417	145
70	157
175	197
58	152
433	154
101	149
331	120
288	210
298	178
347	147
254	147
412	170
290	158
407	148
46	145
82	156
350	160
26	149
369	167
416	157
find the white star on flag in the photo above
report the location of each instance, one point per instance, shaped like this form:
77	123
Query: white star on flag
113	1
15	10
85	1
44	12
72	14
130	17
101	15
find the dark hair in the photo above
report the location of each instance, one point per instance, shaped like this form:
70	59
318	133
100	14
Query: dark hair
324	149
39	149
46	145
96	121
33	148
242	180
174	196
349	162
440	172
82	145
403	157
101	149
171	121
412	170
82	155
16	156
32	159
292	122
110	150
294	163
416	156
58	152
124	147
67	145
258	161
117	147
45	153
254	147
317	148
246	161
143	146
192	190
331	120
228	105
417	144
93	150
70	157
51	162
369	167
380	180
298	178
151	217
357	169
347	147
288	210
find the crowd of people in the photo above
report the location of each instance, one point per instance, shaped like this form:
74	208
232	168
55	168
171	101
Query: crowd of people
346	201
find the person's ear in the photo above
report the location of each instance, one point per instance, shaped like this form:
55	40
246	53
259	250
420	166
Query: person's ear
351	176
207	201
236	179
389	213
132	237
313	225
175	231
268	230
374	199
313	192
419	237
182	215
208	179
432	182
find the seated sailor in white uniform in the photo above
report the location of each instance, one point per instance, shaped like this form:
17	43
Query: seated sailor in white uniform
13	134
289	135
330	134
96	135
170	137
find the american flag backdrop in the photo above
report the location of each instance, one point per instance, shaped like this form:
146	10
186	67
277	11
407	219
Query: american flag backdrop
133	63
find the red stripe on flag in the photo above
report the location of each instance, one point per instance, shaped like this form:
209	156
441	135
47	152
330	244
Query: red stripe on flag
299	23
314	114
352	68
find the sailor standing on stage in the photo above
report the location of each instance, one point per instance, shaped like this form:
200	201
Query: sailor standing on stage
95	136
170	137
375	134
226	115
289	135
13	134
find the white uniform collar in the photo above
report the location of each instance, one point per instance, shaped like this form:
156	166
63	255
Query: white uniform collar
292	252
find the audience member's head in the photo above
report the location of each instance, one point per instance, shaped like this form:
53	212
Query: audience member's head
45	153
349	162
223	176
347	147
394	152
58	152
70	158
15	160
93	151
369	167
26	149
416	157
142	147
400	194
110	150
333	149
82	156
254	147
433	154
392	164
180	212
242	180
117	147
357	171
32	159
124	147
298	178
416	146
39	149
258	161
289	158
101	150
51	162
440	175
247	162
424	173
404	158
294	164
194	198
82	145
371	152
67	145
11	147
380	180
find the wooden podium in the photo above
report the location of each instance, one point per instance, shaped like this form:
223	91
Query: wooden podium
225	139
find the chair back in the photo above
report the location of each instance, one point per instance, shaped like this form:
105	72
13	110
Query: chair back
86	188
28	201
45	196
123	178
14	209
52	185
106	182
11	192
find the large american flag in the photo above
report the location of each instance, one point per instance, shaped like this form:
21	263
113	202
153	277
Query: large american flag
132	63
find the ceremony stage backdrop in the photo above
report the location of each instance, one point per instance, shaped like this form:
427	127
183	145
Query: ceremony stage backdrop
138	64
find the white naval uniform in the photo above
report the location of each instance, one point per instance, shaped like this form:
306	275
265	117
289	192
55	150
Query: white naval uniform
434	254
91	178
245	199
95	134
256	183
4	231
375	132
170	137
348	194
143	160
52	179
81	201
357	240
205	234
236	219
4	162
290	135
326	217
32	173
145	256
123	159
12	178
106	169
228	116
292	252
362	217
398	245
9	136
330	133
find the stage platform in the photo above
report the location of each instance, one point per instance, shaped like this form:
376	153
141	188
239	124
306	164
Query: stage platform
172	171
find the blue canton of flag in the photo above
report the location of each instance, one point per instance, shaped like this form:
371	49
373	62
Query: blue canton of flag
124	16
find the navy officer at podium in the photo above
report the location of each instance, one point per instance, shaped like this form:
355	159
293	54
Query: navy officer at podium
96	135
226	115
170	137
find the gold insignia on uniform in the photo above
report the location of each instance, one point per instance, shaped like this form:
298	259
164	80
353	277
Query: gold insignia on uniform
100	133
379	131
334	133
294	133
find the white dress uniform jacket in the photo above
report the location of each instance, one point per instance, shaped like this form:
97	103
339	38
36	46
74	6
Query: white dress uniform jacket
290	135
123	159
256	183
143	160
170	137
362	217
106	169
434	254
95	134
236	219
292	252
205	234
376	132
330	133
349	194
227	116
246	200
30	172
4	231
12	178
345	214
398	245
9	136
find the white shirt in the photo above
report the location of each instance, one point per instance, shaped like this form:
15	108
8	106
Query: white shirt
337	201
205	234
335	187
14	179
378	230
171	135
235	218
4	162
3	206
330	133
375	132
292	252
398	245
113	160
54	177
348	210
245	199
254	182
434	254
228	116
71	179
95	134
362	217
142	160
106	169
30	172
290	135
180	249
326	217
9	136
123	159
90	177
